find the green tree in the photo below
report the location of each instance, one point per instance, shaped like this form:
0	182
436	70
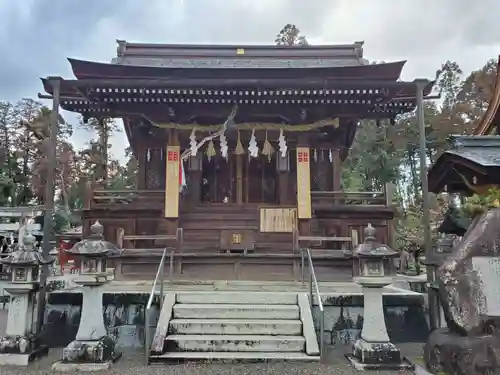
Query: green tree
290	36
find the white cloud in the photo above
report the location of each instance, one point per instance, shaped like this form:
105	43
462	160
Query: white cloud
37	36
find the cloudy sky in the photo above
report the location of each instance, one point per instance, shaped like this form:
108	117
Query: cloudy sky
37	35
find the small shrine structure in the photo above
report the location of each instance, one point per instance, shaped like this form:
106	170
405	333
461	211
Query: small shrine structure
466	270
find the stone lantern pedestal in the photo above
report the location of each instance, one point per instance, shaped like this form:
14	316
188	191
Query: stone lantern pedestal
373	350
20	345
93	349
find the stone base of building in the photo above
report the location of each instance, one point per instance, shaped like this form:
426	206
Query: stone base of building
377	356
95	355
83	367
22	359
450	353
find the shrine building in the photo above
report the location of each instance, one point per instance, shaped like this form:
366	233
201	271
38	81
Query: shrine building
472	163
240	152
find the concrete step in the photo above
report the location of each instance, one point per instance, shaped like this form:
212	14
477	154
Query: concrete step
235	327
235	311
232	343
237	356
237	298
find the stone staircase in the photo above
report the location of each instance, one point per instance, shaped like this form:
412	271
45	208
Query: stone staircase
235	326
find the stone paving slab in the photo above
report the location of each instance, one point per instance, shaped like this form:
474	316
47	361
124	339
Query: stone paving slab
132	363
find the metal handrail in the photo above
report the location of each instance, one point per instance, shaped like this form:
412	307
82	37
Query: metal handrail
313	285
160	274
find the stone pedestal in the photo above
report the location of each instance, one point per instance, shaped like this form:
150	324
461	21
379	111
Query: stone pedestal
20	346
93	349
450	353
374	351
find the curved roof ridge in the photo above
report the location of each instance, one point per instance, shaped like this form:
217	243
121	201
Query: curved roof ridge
125	49
485	124
90	69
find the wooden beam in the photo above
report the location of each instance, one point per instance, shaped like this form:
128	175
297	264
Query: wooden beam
257	83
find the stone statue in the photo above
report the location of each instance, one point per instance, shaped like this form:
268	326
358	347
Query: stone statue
468	284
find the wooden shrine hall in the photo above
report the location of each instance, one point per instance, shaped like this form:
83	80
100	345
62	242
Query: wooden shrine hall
240	152
471	164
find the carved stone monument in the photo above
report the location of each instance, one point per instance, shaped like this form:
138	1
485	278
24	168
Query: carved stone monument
20	344
373	350
469	289
93	349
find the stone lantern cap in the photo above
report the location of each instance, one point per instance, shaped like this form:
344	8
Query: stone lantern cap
440	251
95	246
370	248
26	255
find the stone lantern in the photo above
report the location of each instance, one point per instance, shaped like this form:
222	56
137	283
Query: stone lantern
92	349
20	345
375	270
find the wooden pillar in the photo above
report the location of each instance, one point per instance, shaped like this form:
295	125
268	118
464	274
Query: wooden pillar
172	183
304	212
194	177
337	173
391	232
283	168
337	170
141	175
239	179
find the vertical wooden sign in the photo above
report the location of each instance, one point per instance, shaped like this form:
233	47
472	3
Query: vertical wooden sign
303	183
172	182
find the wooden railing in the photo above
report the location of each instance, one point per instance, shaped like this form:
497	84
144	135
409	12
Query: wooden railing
357	198
135	241
132	198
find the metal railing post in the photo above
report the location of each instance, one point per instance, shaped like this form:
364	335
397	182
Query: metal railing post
311	287
321	332
302	266
159	277
147	339
314	287
162	276
171	266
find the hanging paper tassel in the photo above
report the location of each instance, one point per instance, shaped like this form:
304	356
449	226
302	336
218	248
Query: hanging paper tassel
192	143
223	145
282	144
268	149
182	176
322	155
253	148
239	150
211	150
315	155
330	155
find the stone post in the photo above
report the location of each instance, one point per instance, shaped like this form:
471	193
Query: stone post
373	350
21	345
93	349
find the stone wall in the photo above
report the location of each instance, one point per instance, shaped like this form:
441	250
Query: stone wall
405	318
124	317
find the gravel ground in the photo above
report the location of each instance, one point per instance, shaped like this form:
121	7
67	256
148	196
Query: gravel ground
132	363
